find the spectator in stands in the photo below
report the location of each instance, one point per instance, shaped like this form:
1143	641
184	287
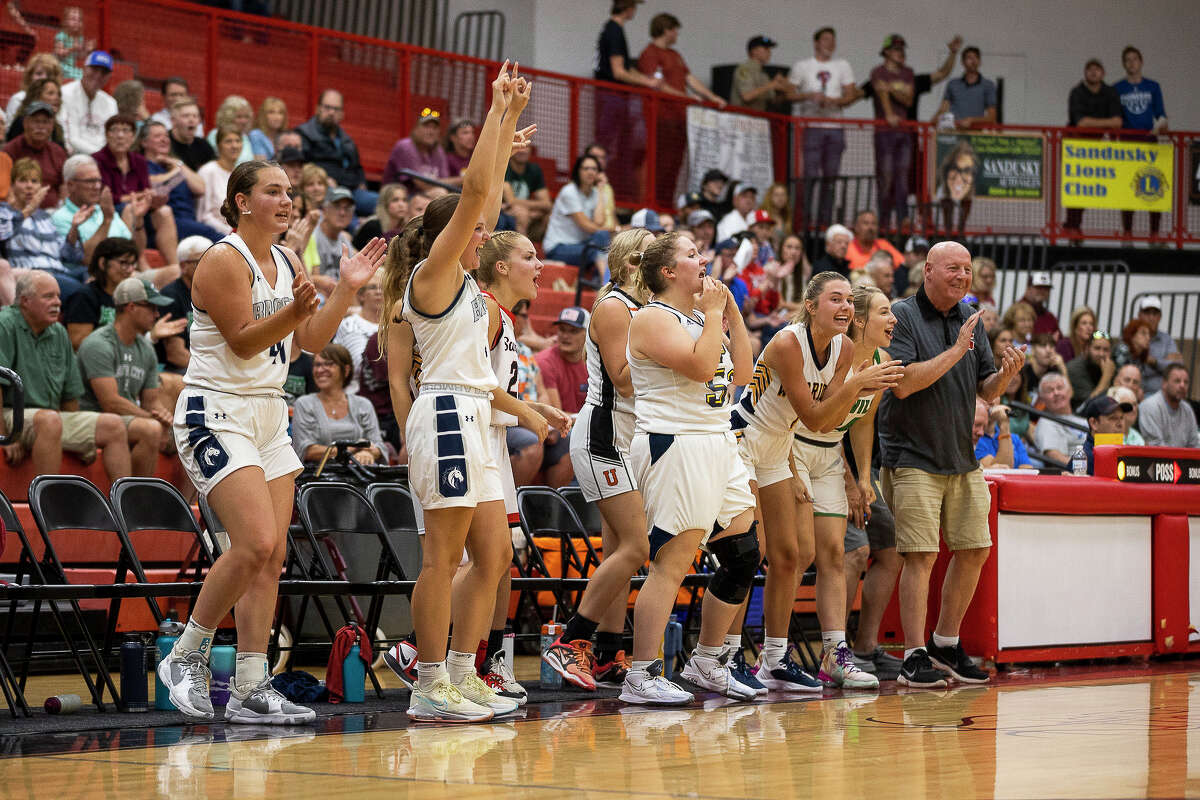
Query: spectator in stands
174	183
131	101
417	203
1020	319
1017	391
236	112
1104	414
292	161
824	85
314	184
47	91
619	127
86	190
535	343
745	198
1091	372
1167	419
391	212
186	142
1163	350
113	260
882	273
526	197
41	66
1000	339
996	446
174	351
323	256
867	240
712	194
419	152
33	344
1130	377
331	415
1043	358
751	86
120	374
1091	104
1037	295
603	185
983	280
837	243
356	328
290	138
70	45
215	175
778	205
794	272
563	366
1134	344
175	89
661	59
970	100
704	231
28	234
372	378
126	174
895	98
1142	109
1082	326
35	144
1125	396
271	121
329	146
460	143
86	106
575	232
1054	439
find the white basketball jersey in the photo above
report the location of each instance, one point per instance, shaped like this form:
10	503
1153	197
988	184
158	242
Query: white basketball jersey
861	405
601	392
453	343
213	363
504	364
818	378
668	402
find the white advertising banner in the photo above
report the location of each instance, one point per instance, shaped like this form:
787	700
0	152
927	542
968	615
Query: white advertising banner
738	145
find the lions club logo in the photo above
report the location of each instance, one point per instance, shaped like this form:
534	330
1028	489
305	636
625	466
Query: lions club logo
1149	184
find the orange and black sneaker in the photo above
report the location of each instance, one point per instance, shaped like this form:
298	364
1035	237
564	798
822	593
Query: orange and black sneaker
574	661
613	672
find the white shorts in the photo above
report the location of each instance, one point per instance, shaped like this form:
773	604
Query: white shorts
499	434
765	455
690	481
450	462
600	442
217	433
823	472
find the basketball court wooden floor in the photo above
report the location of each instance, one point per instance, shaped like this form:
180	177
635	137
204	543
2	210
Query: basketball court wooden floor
1106	731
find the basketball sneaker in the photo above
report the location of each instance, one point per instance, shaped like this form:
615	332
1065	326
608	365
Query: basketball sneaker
613	673
877	661
918	671
574	661
649	687
474	689
714	674
443	702
839	671
743	673
499	676
786	677
955	661
187	678
401	658
264	704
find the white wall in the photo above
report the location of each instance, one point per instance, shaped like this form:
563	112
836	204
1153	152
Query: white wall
1039	46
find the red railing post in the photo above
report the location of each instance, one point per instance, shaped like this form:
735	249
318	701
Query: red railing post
650	166
1053	144
211	66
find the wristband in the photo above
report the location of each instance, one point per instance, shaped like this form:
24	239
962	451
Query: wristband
1004	436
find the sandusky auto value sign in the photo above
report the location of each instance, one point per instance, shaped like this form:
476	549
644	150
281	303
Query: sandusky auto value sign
1131	176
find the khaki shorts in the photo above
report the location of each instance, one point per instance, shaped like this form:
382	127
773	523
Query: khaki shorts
78	431
923	502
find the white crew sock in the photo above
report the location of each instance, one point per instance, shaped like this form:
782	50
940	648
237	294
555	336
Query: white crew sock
704	651
831	639
459	665
945	641
429	673
195	637
774	651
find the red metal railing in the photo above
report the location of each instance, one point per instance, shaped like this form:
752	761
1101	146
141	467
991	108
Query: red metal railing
384	84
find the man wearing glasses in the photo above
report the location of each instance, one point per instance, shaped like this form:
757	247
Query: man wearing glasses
88	215
1091	372
328	146
420	153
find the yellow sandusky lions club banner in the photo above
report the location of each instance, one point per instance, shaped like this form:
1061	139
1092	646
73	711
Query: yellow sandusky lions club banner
1131	176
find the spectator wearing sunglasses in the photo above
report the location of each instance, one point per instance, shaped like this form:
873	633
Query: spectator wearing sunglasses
1091	372
419	152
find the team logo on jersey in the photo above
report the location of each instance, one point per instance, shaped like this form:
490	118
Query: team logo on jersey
211	457
610	477
453	482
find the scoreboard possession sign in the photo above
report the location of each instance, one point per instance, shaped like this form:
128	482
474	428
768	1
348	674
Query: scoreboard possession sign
1148	469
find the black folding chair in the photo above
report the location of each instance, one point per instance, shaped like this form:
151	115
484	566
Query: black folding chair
394	504
588	513
545	513
73	503
13	693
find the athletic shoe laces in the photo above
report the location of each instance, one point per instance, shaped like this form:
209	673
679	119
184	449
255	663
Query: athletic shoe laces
197	672
845	659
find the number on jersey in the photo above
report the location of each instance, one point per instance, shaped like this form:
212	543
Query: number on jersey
278	353
718	387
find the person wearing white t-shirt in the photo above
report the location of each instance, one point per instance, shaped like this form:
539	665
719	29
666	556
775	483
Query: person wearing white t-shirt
824	85
86	106
356	329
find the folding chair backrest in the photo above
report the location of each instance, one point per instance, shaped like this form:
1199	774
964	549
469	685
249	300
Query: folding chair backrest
73	503
544	511
395	507
338	508
152	504
12	524
588	513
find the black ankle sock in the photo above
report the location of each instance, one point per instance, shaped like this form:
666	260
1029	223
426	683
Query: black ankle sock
608	644
579	627
495	642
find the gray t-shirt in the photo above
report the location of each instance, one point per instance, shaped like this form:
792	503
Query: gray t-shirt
329	251
103	355
1051	435
311	425
1164	426
931	429
1161	346
562	229
970	99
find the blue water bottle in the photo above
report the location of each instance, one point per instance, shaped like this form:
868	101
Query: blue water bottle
133	675
672	645
354	675
168	632
222	661
550	678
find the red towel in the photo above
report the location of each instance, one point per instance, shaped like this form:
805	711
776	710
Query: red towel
346	637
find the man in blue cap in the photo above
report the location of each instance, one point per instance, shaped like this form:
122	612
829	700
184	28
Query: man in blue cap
86	106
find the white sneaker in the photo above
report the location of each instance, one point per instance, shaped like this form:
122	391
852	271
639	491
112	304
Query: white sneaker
499	676
188	678
839	670
474	689
443	702
715	675
265	705
649	687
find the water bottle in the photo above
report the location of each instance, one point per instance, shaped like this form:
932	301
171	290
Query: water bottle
672	645
63	704
133	675
168	632
222	661
1078	461
550	679
354	676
